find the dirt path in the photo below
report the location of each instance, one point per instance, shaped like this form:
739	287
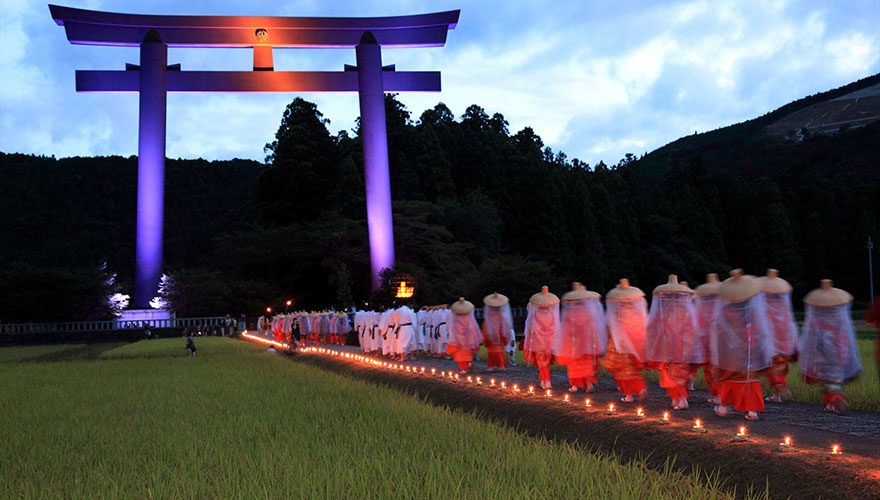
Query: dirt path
807	472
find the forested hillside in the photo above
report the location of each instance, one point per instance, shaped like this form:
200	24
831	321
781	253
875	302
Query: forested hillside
477	209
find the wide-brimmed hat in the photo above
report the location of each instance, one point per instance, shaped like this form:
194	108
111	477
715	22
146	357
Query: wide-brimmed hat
579	292
544	298
774	284
623	291
495	300
710	287
672	286
739	287
827	296
462	306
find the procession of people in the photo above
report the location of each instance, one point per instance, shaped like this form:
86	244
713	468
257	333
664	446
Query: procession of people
737	332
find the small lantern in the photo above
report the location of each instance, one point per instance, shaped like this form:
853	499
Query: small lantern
588	403
741	435
640	413
611	409
665	418
698	426
835	450
565	399
786	445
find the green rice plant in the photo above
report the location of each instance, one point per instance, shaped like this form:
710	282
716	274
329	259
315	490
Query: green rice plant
17	354
147	421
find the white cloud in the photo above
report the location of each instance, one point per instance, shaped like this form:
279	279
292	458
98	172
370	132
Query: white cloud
594	80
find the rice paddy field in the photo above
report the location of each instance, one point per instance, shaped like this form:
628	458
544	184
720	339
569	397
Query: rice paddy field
145	421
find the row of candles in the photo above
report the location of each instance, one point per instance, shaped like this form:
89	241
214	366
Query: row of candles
742	433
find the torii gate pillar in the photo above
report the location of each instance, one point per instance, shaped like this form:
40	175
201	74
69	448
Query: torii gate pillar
371	94
151	169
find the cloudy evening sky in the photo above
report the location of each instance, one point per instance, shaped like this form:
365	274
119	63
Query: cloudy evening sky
595	79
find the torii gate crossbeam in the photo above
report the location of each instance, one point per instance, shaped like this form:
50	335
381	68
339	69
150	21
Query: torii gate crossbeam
153	79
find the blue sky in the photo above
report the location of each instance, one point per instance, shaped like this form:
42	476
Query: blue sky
595	79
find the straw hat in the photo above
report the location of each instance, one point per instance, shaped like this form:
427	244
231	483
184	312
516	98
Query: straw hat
462	306
495	300
545	298
739	287
827	296
623	291
672	286
710	287
579	292
774	284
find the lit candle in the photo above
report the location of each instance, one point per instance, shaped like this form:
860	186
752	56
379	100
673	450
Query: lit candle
531	390
470	379
640	413
611	409
423	370
565	399
492	382
433	371
665	419
479	380
786	445
549	393
503	385
741	435
456	377
698	426
588	403
835	450
515	387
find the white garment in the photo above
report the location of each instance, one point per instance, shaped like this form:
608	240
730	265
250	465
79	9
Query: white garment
672	329
741	340
828	350
628	325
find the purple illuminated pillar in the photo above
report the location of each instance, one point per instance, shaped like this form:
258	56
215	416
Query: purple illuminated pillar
371	94
151	170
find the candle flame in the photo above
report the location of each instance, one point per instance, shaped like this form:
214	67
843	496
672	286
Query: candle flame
835	449
742	431
492	381
504	385
698	423
433	371
587	403
666	416
565	398
610	406
787	441
549	393
479	380
531	389
640	412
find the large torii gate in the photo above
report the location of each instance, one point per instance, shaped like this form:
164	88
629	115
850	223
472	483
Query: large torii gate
153	79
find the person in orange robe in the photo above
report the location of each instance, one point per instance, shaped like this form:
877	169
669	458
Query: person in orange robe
627	318
542	329
672	339
583	337
497	330
464	334
706	305
742	345
777	293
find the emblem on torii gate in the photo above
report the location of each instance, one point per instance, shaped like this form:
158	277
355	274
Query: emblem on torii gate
154	78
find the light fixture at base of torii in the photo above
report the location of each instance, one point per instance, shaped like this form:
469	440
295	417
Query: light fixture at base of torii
153	79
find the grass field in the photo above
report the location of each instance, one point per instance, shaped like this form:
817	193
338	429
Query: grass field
144	421
863	393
